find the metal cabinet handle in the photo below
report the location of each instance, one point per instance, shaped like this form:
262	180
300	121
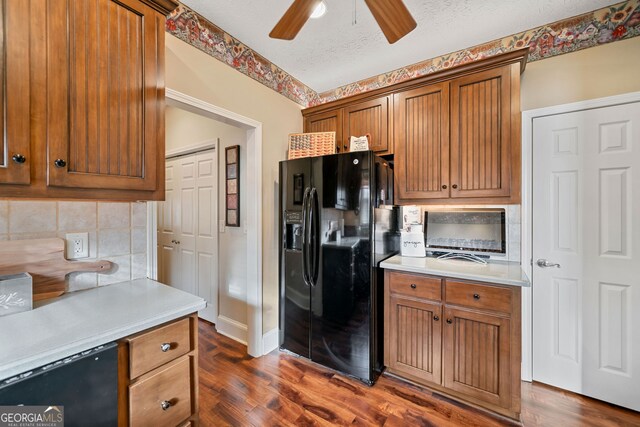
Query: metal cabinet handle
449	321
444	186
436	318
165	404
546	264
59	163
165	347
476	296
413	286
19	158
177	242
454	186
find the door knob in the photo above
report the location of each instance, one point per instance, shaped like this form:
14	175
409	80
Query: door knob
546	264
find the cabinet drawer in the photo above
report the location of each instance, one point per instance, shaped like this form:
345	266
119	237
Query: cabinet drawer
478	296
159	346
170	386
415	286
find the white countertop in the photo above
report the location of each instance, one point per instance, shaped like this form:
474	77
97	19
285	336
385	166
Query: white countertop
78	321
504	273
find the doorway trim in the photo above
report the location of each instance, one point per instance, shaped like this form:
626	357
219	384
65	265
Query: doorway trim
253	220
527	206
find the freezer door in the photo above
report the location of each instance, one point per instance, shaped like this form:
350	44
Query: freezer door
295	297
341	266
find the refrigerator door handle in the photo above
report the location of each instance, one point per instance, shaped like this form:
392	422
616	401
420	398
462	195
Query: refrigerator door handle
305	240
315	221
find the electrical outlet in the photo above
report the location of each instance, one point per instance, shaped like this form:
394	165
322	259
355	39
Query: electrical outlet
77	245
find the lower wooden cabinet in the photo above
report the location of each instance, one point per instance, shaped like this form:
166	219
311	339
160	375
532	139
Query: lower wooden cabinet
460	338
158	376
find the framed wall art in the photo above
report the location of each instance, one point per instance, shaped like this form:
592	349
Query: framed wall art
232	186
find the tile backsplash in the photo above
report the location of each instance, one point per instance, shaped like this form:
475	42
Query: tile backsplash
117	233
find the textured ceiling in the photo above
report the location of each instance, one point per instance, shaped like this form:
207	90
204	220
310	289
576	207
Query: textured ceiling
332	51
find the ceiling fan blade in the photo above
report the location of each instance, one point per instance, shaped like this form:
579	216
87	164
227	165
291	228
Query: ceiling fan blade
393	17
294	18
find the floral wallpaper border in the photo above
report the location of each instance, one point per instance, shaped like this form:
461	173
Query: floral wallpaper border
192	28
609	24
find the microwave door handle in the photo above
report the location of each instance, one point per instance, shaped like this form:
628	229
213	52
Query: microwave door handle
314	226
305	226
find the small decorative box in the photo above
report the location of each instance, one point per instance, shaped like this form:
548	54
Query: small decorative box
16	293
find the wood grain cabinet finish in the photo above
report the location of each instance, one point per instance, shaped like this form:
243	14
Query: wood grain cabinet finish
95	91
15	150
422	143
328	121
369	117
454	134
463	341
158	376
481	142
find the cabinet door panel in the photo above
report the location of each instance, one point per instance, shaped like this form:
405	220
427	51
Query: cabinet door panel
415	338
477	355
14	93
370	117
328	121
480	134
421	135
105	78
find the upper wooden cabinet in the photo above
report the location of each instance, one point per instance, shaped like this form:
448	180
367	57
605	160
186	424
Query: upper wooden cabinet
369	117
97	98
328	121
481	143
357	119
454	134
15	150
422	158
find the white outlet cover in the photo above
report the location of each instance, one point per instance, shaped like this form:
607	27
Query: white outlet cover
77	245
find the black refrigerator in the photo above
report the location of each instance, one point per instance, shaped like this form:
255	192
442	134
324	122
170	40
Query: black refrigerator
337	223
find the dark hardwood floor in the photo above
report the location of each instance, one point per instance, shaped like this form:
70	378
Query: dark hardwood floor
282	390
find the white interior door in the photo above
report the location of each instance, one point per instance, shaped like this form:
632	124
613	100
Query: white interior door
586	219
187	235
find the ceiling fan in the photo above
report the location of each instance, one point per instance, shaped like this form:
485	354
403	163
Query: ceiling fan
392	16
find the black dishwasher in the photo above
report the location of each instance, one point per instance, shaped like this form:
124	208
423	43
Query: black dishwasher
86	384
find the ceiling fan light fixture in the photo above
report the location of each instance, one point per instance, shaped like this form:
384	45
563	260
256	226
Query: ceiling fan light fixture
319	11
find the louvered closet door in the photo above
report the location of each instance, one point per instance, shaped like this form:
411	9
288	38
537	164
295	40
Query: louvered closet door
15	154
480	134
476	355
422	143
415	339
105	75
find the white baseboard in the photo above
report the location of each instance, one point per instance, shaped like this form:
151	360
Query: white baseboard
233	329
270	341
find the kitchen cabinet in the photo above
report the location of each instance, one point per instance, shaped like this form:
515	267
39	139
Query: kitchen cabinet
157	378
15	151
369	117
422	143
328	121
357	119
454	134
459	140
96	75
458	337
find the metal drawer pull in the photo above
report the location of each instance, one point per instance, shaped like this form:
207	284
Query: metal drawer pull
449	321
436	318
413	286
59	163
165	404
165	347
19	158
476	296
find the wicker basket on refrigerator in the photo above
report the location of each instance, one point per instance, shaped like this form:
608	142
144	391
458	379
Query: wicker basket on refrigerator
311	144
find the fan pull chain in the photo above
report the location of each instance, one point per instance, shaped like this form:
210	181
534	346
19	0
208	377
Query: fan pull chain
355	13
